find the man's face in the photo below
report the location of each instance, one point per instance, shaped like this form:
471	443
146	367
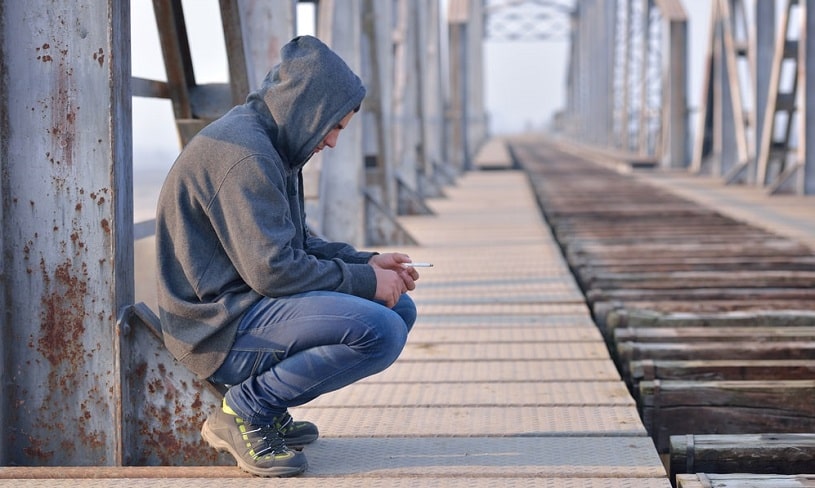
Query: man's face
331	139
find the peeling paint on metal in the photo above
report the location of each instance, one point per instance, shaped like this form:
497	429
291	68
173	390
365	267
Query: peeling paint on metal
63	313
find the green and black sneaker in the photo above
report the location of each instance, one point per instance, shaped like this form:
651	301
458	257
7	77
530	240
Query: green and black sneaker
296	433
259	449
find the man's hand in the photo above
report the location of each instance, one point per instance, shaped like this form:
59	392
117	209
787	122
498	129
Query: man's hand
389	286
392	277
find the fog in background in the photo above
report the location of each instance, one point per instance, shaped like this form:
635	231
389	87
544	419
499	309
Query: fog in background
524	82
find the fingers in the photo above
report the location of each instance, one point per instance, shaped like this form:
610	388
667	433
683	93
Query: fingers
408	278
395	293
393	278
389	286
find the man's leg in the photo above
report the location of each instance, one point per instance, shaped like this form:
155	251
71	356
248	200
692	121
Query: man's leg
291	350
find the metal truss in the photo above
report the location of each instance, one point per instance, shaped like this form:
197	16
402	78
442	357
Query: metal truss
723	143
628	79
638	78
753	115
527	20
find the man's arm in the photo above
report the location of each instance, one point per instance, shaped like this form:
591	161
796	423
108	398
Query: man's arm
323	249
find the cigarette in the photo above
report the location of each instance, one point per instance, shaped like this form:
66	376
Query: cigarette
419	265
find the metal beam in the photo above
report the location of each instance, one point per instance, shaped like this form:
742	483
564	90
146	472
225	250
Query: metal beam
266	25
67	237
432	178
806	155
527	20
765	42
674	153
457	18
773	170
231	20
467	116
629	96
342	180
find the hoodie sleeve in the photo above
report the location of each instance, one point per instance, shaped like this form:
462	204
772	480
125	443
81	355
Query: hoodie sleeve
250	212
323	249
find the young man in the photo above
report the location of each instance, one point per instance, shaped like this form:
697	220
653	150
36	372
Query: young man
247	297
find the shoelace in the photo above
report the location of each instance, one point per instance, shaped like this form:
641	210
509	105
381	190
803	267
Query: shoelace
271	440
284	423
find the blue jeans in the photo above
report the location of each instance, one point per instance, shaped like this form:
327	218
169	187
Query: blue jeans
290	350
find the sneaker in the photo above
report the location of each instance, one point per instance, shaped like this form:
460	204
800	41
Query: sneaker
258	449
296	433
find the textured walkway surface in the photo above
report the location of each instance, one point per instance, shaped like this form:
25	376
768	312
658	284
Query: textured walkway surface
505	379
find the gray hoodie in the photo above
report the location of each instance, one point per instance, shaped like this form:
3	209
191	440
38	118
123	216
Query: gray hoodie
230	225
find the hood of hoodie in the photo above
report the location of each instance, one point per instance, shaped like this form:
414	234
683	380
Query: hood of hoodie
305	96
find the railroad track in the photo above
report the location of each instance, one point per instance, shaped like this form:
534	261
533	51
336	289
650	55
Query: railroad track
711	321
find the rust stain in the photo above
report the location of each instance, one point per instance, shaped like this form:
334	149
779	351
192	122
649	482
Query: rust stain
42	55
63	113
35	450
90	438
62	343
63	314
140	371
168	429
99	57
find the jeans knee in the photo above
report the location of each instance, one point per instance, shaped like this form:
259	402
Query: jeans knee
406	309
388	341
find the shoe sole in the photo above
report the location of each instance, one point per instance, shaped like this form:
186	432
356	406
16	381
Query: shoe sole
221	445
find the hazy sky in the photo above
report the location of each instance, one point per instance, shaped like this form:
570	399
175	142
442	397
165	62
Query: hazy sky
524	82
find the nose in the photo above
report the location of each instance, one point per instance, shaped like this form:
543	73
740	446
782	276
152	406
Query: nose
331	138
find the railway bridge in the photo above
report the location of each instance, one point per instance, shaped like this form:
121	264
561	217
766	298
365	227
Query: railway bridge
623	299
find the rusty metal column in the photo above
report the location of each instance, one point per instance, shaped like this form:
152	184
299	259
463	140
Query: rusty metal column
381	222
266	26
458	113
67	228
573	74
765	50
4	278
623	37
342	179
728	106
377	112
675	86
599	23
645	51
806	154
405	105
593	59
477	115
432	108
